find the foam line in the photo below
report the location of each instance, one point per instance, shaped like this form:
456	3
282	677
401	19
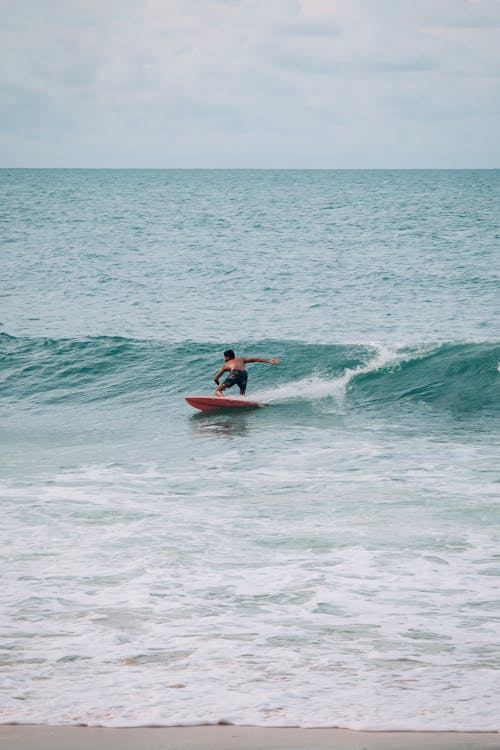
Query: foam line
317	387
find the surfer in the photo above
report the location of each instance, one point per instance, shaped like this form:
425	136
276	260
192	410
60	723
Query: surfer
237	373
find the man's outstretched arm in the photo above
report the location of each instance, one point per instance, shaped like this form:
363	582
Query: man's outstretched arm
259	359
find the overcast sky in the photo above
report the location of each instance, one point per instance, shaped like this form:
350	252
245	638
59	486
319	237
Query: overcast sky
250	83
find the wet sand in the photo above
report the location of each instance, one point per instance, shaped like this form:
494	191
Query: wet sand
40	737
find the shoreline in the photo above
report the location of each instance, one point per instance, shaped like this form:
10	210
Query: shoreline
231	737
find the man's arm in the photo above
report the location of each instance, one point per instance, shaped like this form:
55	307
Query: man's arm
219	374
259	359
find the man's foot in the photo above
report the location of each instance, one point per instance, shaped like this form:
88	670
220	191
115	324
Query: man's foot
219	394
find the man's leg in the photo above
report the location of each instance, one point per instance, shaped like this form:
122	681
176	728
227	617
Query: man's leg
229	381
242	382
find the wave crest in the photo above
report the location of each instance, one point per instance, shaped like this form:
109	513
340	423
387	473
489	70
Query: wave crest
461	378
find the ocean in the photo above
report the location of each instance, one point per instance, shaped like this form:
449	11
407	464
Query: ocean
332	559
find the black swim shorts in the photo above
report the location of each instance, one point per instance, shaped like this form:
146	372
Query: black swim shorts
237	377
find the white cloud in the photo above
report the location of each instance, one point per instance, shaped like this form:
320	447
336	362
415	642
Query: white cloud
249	83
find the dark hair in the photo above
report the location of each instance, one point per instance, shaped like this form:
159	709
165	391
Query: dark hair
229	354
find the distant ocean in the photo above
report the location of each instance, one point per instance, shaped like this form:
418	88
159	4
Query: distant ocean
330	560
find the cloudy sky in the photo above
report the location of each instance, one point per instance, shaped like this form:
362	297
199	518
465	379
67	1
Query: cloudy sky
250	83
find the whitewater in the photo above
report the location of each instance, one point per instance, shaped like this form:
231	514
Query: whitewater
329	560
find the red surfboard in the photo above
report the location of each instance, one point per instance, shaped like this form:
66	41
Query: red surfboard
209	403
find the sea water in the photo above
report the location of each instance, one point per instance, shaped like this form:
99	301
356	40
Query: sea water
332	559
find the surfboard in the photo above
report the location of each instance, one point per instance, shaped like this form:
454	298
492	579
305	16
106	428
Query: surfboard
209	403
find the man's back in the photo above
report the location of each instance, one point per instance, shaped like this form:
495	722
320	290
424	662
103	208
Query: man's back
235	364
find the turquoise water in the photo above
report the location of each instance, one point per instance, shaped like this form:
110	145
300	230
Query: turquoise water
329	560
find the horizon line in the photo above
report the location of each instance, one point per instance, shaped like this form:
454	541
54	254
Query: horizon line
264	169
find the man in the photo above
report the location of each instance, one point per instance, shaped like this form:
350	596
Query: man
237	373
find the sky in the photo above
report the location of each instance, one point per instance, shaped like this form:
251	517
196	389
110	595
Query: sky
250	83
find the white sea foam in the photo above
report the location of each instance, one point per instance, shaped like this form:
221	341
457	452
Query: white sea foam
320	387
254	596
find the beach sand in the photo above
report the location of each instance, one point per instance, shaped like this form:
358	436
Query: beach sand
37	737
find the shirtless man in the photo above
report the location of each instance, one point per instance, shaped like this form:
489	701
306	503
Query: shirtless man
237	373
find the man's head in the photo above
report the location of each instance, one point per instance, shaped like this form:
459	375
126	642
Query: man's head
229	354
